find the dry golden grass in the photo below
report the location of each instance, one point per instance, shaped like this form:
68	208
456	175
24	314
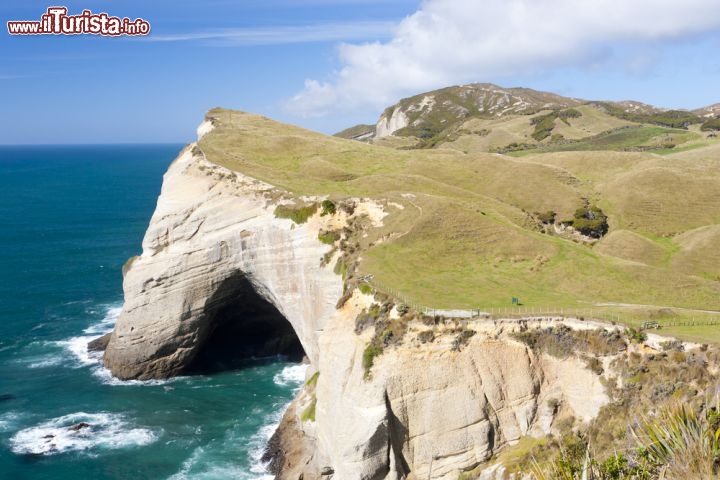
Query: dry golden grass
665	197
633	247
483	135
464	238
699	252
592	122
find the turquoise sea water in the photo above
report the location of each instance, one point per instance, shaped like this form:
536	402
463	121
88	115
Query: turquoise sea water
70	217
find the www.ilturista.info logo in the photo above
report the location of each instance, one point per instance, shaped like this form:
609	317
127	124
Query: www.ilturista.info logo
57	22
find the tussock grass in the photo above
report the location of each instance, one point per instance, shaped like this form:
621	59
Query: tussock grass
298	215
683	441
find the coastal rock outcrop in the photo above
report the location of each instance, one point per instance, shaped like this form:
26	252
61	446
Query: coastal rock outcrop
219	271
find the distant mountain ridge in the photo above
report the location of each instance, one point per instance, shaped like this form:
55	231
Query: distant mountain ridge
429	119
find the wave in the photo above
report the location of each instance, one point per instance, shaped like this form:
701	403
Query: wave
107	323
80	432
77	347
260	441
8	420
105	377
43	361
291	376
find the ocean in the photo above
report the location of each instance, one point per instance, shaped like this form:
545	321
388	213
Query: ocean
71	216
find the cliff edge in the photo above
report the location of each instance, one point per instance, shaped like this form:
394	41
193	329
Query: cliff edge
217	263
222	277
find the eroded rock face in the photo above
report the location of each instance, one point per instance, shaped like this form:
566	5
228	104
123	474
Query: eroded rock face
430	412
218	270
212	242
387	126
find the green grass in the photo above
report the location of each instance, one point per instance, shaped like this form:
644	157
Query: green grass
299	215
312	381
328	238
308	415
463	237
369	354
357	130
669	118
622	139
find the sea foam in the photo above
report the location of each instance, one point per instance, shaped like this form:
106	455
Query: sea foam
104	431
291	376
82	357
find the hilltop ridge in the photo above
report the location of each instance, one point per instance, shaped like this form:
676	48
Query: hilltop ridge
520	119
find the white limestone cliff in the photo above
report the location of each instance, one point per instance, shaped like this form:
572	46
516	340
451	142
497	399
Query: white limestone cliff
209	225
426	411
386	126
431	412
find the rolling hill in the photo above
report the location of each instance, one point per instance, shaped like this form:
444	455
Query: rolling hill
488	118
463	229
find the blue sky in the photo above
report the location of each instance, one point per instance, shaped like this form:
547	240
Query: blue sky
328	64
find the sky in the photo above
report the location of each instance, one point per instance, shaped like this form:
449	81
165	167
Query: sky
327	65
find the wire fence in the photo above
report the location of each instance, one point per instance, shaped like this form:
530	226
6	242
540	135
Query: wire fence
522	311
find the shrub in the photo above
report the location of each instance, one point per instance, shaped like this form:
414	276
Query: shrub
328	238
682	440
371	351
402	309
594	364
561	341
546	217
544	125
636	336
462	339
362	321
590	221
374	310
426	336
299	215
711	125
668	118
569	113
328	208
365	288
341	268
669	345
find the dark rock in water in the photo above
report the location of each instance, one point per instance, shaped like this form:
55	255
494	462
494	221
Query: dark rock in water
6	396
327	471
79	426
49	436
274	455
99	344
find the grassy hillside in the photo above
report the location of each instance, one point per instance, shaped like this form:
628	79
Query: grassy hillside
461	231
357	132
487	118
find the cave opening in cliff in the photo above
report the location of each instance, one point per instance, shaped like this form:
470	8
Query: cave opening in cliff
242	328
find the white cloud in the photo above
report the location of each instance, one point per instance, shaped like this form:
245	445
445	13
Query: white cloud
457	41
281	34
